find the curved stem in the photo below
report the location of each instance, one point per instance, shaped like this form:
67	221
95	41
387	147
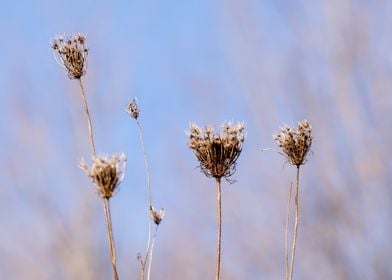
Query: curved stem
218	249
108	219
139	128
287	232
295	226
146	166
90	126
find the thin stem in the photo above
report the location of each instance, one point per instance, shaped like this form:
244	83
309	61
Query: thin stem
151	251
90	126
139	128
218	250
287	232
295	225
108	219
141	270
146	166
144	261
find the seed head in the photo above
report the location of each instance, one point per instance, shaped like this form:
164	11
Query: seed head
71	53
106	173
156	216
295	143
217	153
133	109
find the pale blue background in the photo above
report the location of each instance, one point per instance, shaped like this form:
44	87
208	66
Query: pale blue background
264	62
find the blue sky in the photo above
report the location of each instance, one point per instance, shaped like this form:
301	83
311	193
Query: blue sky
263	62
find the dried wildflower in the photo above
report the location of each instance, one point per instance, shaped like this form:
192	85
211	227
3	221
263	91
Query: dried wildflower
106	173
295	143
217	153
71	53
156	216
133	109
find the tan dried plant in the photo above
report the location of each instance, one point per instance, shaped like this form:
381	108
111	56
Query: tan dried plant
295	144
154	216
106	173
217	155
71	53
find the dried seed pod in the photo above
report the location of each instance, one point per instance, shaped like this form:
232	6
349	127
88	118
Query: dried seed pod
217	153
71	53
133	109
295	143
106	173
156	216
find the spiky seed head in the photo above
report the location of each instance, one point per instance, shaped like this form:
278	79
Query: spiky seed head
156	216
71	53
106	173
217	153
133	109
295	143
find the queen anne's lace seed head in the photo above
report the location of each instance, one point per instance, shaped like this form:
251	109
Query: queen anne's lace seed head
106	173
71	53
217	153
295	143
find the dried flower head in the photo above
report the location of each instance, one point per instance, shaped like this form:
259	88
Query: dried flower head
71	53
217	153
295	143
106	173
156	216
133	109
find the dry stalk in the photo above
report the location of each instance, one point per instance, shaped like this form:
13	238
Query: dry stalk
108	220
90	126
155	216
71	53
287	231
219	210
295	225
217	155
295	144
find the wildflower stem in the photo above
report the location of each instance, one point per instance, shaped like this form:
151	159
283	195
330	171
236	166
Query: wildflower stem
142	270
108	219
295	225
90	126
140	131
287	232
151	251
218	250
139	128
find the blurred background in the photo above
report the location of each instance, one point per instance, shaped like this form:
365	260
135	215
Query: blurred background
263	62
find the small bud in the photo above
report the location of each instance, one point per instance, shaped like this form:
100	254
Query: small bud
133	109
156	216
